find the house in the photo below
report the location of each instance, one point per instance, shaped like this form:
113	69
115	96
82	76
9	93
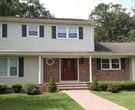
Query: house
34	49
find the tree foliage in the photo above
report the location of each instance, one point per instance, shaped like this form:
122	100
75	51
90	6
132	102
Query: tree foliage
112	23
24	8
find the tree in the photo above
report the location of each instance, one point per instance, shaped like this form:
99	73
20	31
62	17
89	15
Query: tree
112	23
26	8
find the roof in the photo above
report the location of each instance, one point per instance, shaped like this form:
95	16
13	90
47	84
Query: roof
45	20
115	47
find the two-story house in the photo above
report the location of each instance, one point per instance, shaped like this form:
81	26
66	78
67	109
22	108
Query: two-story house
34	49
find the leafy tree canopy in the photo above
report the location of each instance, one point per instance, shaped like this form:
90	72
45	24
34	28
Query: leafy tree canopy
112	23
23	8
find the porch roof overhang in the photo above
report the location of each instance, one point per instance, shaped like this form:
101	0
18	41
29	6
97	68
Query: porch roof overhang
66	53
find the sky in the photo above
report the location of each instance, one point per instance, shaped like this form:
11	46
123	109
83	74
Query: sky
78	8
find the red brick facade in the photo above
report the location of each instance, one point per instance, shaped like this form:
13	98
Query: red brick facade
51	70
111	75
102	75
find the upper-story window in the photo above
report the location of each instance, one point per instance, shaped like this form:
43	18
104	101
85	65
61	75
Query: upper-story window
64	32
33	31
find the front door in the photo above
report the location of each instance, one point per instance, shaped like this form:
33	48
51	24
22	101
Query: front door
68	69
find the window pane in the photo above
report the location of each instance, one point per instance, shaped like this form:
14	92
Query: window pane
105	64
3	66
33	30
72	32
105	60
61	32
13	67
115	63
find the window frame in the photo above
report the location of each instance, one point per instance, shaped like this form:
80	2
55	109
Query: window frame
110	64
67	32
32	36
8	67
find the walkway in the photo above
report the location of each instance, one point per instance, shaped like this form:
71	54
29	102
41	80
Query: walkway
90	101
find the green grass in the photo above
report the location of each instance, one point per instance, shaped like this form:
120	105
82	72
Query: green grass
46	101
126	99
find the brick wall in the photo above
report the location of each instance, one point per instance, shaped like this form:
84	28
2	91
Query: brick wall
51	70
84	69
111	75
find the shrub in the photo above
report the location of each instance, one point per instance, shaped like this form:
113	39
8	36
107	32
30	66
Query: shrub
52	85
32	89
113	87
17	88
94	85
102	86
3	88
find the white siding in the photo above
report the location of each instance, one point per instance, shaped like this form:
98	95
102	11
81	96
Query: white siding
15	41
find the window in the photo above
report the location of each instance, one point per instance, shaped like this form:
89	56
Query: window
8	66
64	32
110	64
33	31
3	66
105	63
72	32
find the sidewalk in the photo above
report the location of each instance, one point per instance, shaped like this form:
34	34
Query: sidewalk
90	101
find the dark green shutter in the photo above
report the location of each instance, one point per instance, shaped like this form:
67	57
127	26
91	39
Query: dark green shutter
122	63
4	30
21	66
98	63
41	31
80	32
24	30
53	32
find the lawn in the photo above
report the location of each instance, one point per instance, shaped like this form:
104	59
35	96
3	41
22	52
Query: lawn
46	101
126	99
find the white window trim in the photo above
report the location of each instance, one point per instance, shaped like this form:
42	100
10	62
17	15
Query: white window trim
28	31
67	32
110	64
8	67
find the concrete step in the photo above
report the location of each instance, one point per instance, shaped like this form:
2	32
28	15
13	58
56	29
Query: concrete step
72	86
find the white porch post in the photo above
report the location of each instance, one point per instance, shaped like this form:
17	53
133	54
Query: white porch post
39	70
90	69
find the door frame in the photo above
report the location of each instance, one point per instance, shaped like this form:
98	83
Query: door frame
60	72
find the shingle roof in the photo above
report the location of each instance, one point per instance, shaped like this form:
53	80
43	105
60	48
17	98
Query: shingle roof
115	47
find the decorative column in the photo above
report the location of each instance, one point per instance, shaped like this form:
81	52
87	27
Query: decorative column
90	69
39	70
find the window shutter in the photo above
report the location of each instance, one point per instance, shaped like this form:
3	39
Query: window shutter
21	66
53	32
122	63
4	30
80	32
98	63
41	31
24	30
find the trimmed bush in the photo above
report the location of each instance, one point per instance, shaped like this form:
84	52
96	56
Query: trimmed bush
102	86
52	85
3	88
32	89
113	87
94	85
17	88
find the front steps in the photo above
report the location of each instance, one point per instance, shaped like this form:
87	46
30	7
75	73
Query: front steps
72	86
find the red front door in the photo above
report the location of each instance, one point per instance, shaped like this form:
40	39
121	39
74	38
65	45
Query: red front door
68	69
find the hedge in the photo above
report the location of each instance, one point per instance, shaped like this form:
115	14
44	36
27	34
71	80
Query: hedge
122	85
